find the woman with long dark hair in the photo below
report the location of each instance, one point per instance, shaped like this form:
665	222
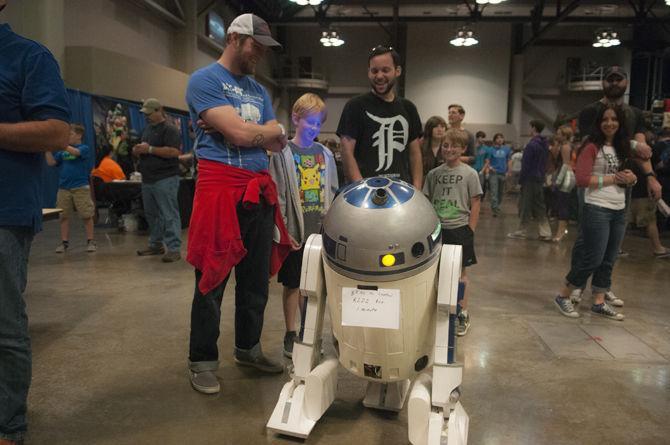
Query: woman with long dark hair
600	169
433	135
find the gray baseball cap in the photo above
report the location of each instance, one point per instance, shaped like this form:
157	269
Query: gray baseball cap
254	26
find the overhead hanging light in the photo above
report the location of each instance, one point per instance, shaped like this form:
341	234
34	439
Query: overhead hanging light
495	2
331	38
464	37
606	37
307	2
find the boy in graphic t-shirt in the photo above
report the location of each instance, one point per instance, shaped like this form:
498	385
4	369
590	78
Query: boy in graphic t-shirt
306	178
455	192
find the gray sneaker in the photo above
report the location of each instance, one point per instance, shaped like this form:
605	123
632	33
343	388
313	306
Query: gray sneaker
518	234
289	339
171	256
463	323
606	310
255	359
62	247
205	382
565	306
91	246
612	299
151	250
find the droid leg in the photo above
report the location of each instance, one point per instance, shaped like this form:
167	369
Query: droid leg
311	391
435	415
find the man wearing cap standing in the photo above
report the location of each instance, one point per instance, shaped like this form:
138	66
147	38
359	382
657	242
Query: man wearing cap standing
159	165
234	211
34	117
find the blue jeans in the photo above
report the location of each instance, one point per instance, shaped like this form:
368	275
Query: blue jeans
161	208
497	185
595	251
252	276
15	355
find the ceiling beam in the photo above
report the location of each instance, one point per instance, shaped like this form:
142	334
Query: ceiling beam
486	19
559	18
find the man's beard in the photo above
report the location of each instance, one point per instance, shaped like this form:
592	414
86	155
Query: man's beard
614	92
389	87
246	66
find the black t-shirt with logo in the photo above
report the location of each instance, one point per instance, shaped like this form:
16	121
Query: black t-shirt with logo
154	168
383	131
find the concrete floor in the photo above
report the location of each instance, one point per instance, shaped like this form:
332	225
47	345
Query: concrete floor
110	341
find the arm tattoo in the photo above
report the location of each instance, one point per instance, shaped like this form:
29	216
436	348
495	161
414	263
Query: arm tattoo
258	140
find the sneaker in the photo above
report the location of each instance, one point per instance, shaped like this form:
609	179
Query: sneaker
205	382
606	310
519	234
623	254
612	299
171	256
664	254
463	323
289	339
151	250
62	247
576	296
565	306
257	360
91	246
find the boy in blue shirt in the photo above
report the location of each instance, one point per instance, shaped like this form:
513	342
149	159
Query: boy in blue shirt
499	170
482	160
74	191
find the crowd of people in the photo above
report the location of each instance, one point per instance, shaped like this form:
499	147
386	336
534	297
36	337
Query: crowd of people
253	212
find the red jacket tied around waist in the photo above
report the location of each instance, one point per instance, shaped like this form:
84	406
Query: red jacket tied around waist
214	240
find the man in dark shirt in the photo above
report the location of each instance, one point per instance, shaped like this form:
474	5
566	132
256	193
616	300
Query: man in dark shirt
615	83
34	118
159	165
379	132
531	178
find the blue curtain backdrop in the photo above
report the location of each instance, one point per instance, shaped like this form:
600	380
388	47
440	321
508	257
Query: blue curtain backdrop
81	110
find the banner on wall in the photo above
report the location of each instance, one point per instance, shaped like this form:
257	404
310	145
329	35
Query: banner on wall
111	123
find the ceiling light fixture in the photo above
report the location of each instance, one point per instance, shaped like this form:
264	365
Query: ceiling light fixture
307	2
495	2
331	38
464	37
606	38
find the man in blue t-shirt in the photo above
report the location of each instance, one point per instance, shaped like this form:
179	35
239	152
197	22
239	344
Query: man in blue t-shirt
33	119
498	171
237	125
74	191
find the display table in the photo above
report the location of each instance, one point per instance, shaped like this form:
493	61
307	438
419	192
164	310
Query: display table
49	214
133	190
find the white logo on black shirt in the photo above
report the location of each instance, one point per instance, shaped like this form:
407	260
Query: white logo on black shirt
387	138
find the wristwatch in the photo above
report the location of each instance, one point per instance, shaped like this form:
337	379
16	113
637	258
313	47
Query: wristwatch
646	175
151	149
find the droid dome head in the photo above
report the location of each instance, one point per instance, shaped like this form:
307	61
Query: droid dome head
381	229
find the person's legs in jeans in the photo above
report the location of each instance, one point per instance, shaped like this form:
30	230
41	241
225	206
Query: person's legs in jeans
494	183
15	354
165	196
152	214
252	274
602	276
205	321
595	236
539	211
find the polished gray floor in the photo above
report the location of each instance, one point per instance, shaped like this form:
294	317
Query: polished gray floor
110	340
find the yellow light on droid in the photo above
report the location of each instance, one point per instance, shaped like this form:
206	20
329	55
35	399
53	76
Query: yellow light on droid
388	260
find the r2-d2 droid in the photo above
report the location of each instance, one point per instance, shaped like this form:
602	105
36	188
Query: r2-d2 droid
391	290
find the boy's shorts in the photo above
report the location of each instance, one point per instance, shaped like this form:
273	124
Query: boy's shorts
289	274
643	211
77	198
462	236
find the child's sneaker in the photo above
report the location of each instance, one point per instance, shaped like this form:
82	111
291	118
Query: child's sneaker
612	299
565	306
606	310
463	323
62	247
576	296
91	246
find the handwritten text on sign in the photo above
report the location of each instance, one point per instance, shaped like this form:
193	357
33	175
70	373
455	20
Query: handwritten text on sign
371	308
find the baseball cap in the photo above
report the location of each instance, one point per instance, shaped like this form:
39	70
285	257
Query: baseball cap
615	71
254	26
150	105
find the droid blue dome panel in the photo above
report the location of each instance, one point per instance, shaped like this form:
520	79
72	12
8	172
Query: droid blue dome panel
378	193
